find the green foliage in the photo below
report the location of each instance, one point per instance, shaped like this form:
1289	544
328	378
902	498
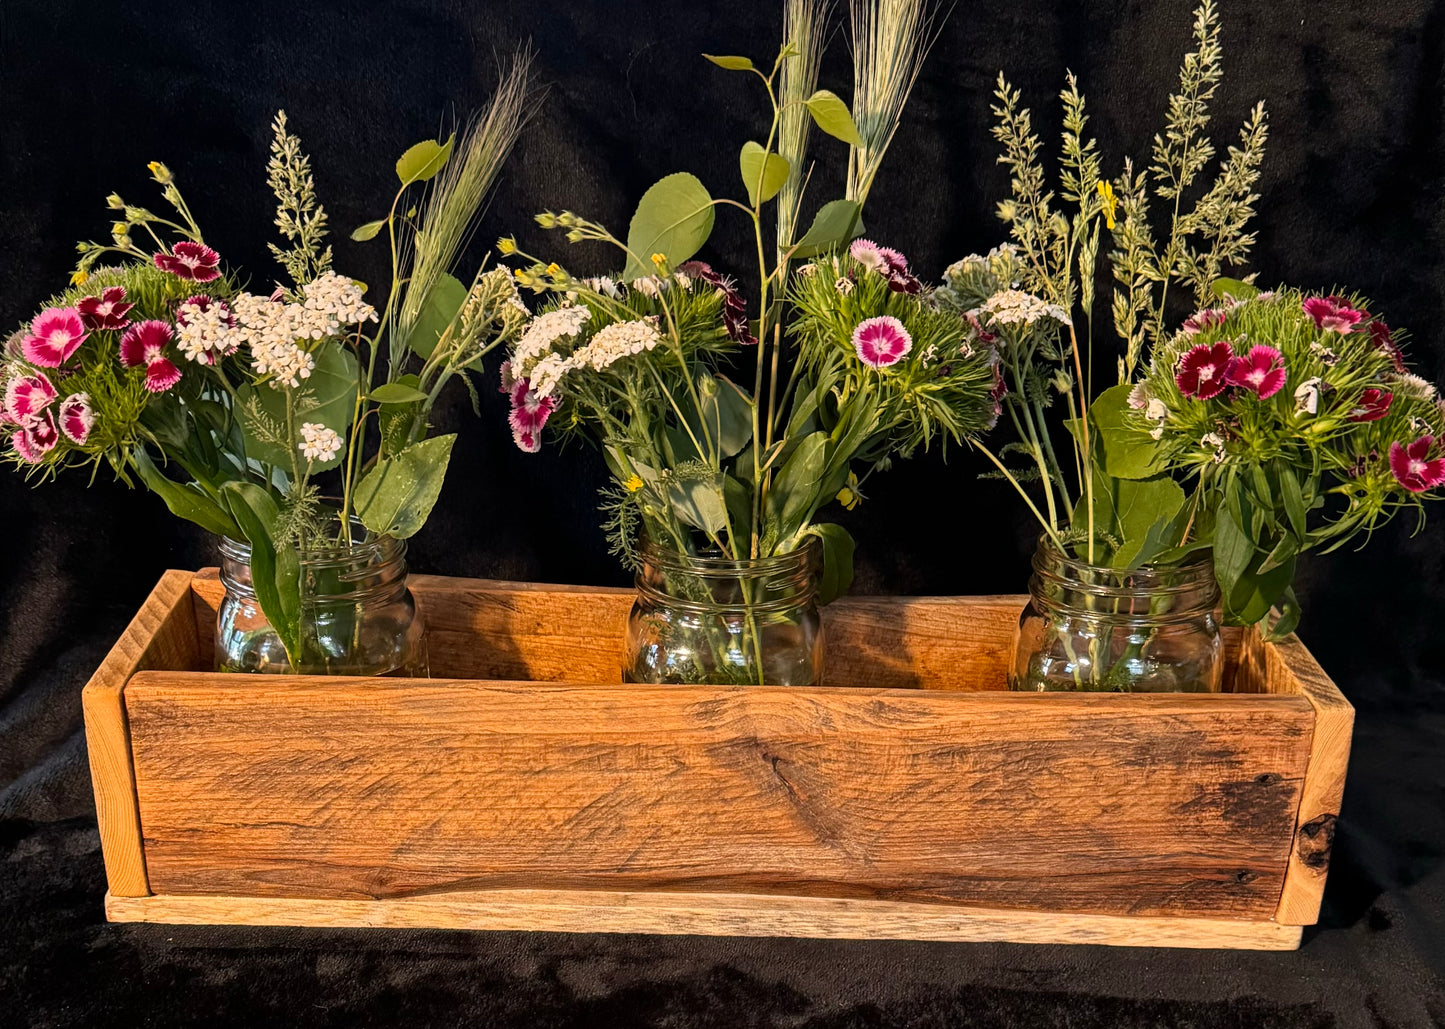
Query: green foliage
275	571
424	160
832	116
763	173
674	218
836	223
396	496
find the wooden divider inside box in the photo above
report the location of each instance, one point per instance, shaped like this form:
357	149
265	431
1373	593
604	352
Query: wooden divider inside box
526	787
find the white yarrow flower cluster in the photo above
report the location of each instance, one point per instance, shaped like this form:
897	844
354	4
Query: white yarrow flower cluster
1015	307
614	342
545	330
286	363
319	443
338	297
205	332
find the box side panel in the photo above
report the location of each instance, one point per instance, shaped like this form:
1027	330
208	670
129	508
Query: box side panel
485	629
161	635
313	787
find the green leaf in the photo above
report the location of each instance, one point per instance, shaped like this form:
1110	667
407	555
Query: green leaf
838	221
700	503
757	165
1294	501
443	303
794	492
1284	551
368	231
726	417
731	63
332	386
1233	288
1233	549
275	573
1144	510
424	160
831	115
1129	453
673	218
396	393
838	549
1289	615
184	501
396	496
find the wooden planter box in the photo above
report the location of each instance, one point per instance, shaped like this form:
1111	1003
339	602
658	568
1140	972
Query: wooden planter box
524	788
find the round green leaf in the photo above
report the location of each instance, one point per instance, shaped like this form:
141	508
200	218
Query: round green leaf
424	160
673	218
443	303
328	397
832	116
759	167
368	231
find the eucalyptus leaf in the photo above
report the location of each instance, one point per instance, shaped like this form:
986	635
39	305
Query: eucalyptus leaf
368	231
837	222
761	168
1129	453
673	218
831	115
731	63
423	161
1233	288
396	393
396	496
443	302
331	390
184	501
275	571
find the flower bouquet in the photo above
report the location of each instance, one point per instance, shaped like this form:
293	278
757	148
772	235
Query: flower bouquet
293	424
1267	425
719	484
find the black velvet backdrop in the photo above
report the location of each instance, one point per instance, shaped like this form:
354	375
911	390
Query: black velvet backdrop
1352	194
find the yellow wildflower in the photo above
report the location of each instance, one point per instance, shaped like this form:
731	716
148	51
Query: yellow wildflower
1111	202
78	277
555	270
507	245
849	496
161	172
633	484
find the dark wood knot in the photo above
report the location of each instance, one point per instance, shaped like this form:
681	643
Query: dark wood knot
1314	841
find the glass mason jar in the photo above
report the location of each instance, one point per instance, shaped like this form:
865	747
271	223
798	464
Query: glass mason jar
357	616
1150	630
714	620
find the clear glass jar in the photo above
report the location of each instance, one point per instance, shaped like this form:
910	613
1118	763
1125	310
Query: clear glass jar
1150	630
714	620
357	616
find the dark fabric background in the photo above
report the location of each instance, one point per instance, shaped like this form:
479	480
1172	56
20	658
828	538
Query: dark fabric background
1351	194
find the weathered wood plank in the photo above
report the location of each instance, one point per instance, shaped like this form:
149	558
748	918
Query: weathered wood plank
1288	668
708	914
161	635
368	788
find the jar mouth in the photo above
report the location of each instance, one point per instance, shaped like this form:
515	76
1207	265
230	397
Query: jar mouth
1189	586
372	568
707	583
722	566
367	548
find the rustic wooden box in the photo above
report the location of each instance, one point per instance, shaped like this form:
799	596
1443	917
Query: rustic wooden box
524	788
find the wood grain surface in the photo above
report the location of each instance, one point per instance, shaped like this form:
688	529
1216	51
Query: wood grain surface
161	635
708	914
373	788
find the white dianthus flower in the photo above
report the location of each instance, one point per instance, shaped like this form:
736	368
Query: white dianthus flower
319	443
613	342
605	285
1307	396
1139	396
546	329
338	297
1216	442
1156	410
844	285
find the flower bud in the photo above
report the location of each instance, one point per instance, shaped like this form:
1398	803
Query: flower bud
160	172
114	202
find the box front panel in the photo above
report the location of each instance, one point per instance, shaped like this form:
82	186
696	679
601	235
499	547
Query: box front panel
355	788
